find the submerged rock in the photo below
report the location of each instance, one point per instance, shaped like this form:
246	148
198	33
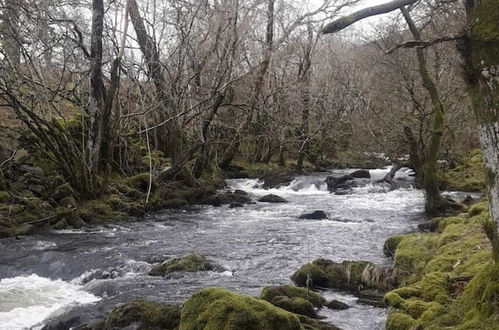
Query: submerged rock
361	174
215	308
294	299
272	199
144	315
189	263
343	183
336	304
232	198
276	180
316	215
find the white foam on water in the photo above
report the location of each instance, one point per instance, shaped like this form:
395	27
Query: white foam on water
27	301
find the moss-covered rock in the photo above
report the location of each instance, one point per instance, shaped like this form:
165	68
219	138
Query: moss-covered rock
412	254
216	309
310	275
336	304
141	182
290	291
347	275
469	176
393	299
4	197
435	287
391	244
144	315
62	191
399	321
189	263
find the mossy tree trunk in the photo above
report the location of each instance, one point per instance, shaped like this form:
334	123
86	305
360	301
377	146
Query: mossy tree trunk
480	50
430	167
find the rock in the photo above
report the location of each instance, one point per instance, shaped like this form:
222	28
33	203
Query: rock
235	205
4	197
141	182
361	174
39	189
61	224
215	308
272	199
390	245
69	202
189	263
272	292
429	226
33	170
336	304
316	215
343	182
24	229
342	192
468	200
236	197
63	191
175	203
347	275
276	180
76	222
371	302
142	315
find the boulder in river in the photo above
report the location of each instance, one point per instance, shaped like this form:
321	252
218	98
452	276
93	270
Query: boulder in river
294	299
142	315
272	199
215	308
336	304
190	263
361	174
316	215
336	183
347	275
276	180
229	197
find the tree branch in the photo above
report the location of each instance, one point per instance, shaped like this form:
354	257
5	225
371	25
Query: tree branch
346	21
425	43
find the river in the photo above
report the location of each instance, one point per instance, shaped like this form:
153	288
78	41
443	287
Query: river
84	273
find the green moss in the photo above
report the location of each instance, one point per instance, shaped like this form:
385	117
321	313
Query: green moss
216	309
148	315
140	182
302	306
189	263
432	311
415	307
412	254
407	292
4	197
393	299
390	246
478	208
269	293
312	274
470	176
435	287
399	321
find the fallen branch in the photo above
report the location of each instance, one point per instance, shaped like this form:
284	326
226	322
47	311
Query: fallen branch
424	43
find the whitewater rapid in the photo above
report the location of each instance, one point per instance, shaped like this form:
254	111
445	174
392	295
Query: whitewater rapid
87	272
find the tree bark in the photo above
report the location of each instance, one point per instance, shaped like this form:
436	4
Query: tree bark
480	50
9	31
434	200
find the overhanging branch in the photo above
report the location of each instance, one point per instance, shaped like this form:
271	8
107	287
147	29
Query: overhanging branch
346	21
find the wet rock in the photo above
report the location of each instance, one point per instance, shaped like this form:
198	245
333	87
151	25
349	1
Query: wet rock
361	174
76	222
61	224
142	314
429	226
175	203
24	229
215	308
316	215
275	294
336	304
468	200
272	199
235	205
371	302
276	180
336	183
63	191
342	192
235	197
189	263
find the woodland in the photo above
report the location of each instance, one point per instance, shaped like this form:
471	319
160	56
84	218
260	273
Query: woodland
112	110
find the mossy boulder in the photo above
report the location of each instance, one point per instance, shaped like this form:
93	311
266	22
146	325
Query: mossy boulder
216	309
412	254
391	244
24	229
143	315
393	299
189	263
294	299
399	321
141	182
4	197
310	275
435	287
347	275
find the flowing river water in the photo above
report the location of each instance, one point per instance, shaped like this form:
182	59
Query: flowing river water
71	277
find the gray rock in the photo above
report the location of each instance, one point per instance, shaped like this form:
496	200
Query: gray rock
272	199
316	215
336	304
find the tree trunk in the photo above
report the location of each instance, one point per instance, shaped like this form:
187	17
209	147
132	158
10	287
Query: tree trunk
480	50
9	30
97	90
434	201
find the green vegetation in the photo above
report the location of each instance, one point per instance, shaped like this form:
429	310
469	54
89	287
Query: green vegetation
347	275
434	270
467	176
144	314
294	299
215	309
189	263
